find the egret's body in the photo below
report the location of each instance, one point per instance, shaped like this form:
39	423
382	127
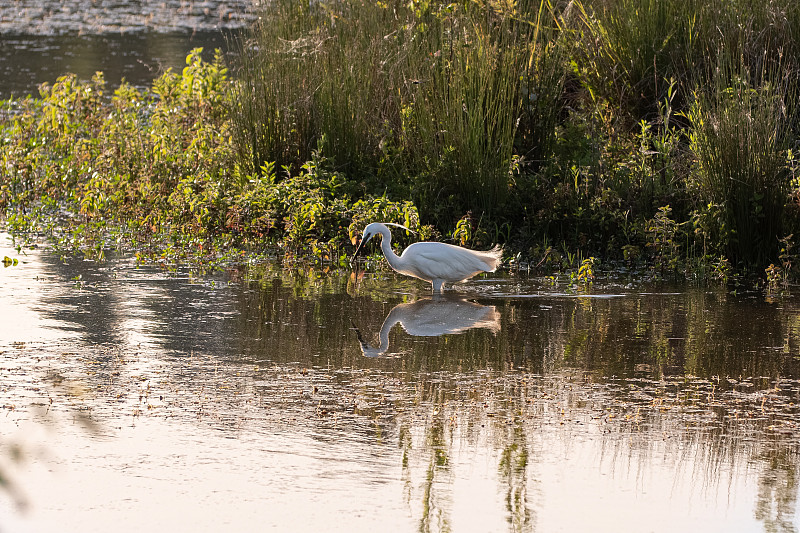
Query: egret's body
436	262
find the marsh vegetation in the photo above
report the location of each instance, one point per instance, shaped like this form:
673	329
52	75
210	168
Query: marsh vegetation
657	135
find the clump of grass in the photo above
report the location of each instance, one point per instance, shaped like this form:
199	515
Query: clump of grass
313	70
631	52
464	111
631	49
422	99
740	137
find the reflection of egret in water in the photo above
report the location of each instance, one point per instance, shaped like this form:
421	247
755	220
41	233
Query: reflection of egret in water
433	317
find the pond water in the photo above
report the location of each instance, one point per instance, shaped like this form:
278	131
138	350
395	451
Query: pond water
137	40
142	397
27	61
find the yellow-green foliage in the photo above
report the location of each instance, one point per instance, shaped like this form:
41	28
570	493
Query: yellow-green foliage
160	166
654	132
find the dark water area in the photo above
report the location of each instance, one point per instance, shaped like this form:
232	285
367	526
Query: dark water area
346	401
125	39
27	61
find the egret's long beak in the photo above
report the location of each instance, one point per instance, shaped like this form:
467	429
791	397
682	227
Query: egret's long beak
358	250
364	345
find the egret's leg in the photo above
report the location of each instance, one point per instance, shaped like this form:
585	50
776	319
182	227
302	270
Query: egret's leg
438	285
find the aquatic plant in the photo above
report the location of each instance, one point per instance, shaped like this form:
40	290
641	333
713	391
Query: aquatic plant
663	233
740	135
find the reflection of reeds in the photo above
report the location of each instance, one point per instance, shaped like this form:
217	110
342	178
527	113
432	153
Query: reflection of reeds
692	427
694	331
434	510
699	429
777	492
513	469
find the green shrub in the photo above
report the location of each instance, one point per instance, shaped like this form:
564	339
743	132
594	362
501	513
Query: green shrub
158	169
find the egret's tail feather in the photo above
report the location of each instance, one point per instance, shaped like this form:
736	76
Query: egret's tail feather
493	257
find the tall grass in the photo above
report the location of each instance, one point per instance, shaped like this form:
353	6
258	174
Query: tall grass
740	136
272	104
632	50
465	109
728	71
421	98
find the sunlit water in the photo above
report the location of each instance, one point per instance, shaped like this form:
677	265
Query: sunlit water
138	398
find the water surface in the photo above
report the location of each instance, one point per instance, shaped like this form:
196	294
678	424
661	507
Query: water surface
125	39
260	398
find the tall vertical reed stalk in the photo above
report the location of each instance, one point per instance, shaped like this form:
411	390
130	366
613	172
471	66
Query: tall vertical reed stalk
465	107
276	79
633	48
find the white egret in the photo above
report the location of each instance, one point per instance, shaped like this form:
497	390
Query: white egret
436	262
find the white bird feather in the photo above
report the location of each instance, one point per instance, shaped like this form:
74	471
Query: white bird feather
440	315
435	262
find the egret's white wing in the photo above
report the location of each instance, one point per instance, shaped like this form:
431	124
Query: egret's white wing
437	260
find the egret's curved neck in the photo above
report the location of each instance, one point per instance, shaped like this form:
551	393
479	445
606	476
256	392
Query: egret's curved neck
383	347
388	253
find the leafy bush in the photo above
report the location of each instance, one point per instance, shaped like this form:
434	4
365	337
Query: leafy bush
159	169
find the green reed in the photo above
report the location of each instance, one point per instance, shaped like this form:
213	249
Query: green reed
420	97
740	137
630	49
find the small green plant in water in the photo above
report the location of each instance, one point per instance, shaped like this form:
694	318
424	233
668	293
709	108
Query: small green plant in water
662	231
721	270
778	275
585	273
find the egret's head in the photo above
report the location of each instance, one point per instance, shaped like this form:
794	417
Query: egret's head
376	228
369	232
